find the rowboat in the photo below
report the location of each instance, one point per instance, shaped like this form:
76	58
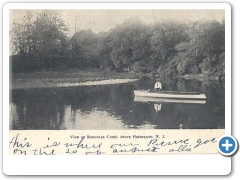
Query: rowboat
165	100
170	94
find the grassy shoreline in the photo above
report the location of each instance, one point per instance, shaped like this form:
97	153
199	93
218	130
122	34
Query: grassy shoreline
200	77
48	79
70	78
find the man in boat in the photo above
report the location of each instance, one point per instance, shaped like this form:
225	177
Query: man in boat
157	86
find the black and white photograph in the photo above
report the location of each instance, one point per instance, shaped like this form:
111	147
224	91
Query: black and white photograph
117	89
117	69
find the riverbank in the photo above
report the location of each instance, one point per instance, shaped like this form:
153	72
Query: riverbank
200	77
70	79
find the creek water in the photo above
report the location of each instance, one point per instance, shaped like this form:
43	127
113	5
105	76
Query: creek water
112	107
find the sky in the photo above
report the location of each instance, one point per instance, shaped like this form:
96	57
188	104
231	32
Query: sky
103	20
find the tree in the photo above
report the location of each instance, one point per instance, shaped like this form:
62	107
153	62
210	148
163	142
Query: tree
84	48
164	39
201	54
129	43
21	35
40	41
207	38
50	36
47	34
104	50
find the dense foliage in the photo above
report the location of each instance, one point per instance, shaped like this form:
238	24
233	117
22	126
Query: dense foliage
169	48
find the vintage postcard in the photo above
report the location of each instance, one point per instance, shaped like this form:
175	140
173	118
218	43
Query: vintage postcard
147	81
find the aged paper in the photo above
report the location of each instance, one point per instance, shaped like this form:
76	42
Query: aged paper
114	142
79	88
82	81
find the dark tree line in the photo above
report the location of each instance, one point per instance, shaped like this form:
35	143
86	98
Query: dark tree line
171	48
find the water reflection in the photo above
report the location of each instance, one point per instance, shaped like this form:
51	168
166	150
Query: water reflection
114	107
157	107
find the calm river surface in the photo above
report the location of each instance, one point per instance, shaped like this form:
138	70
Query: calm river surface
113	107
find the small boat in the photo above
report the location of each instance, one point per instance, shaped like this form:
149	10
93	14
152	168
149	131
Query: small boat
170	94
164	100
